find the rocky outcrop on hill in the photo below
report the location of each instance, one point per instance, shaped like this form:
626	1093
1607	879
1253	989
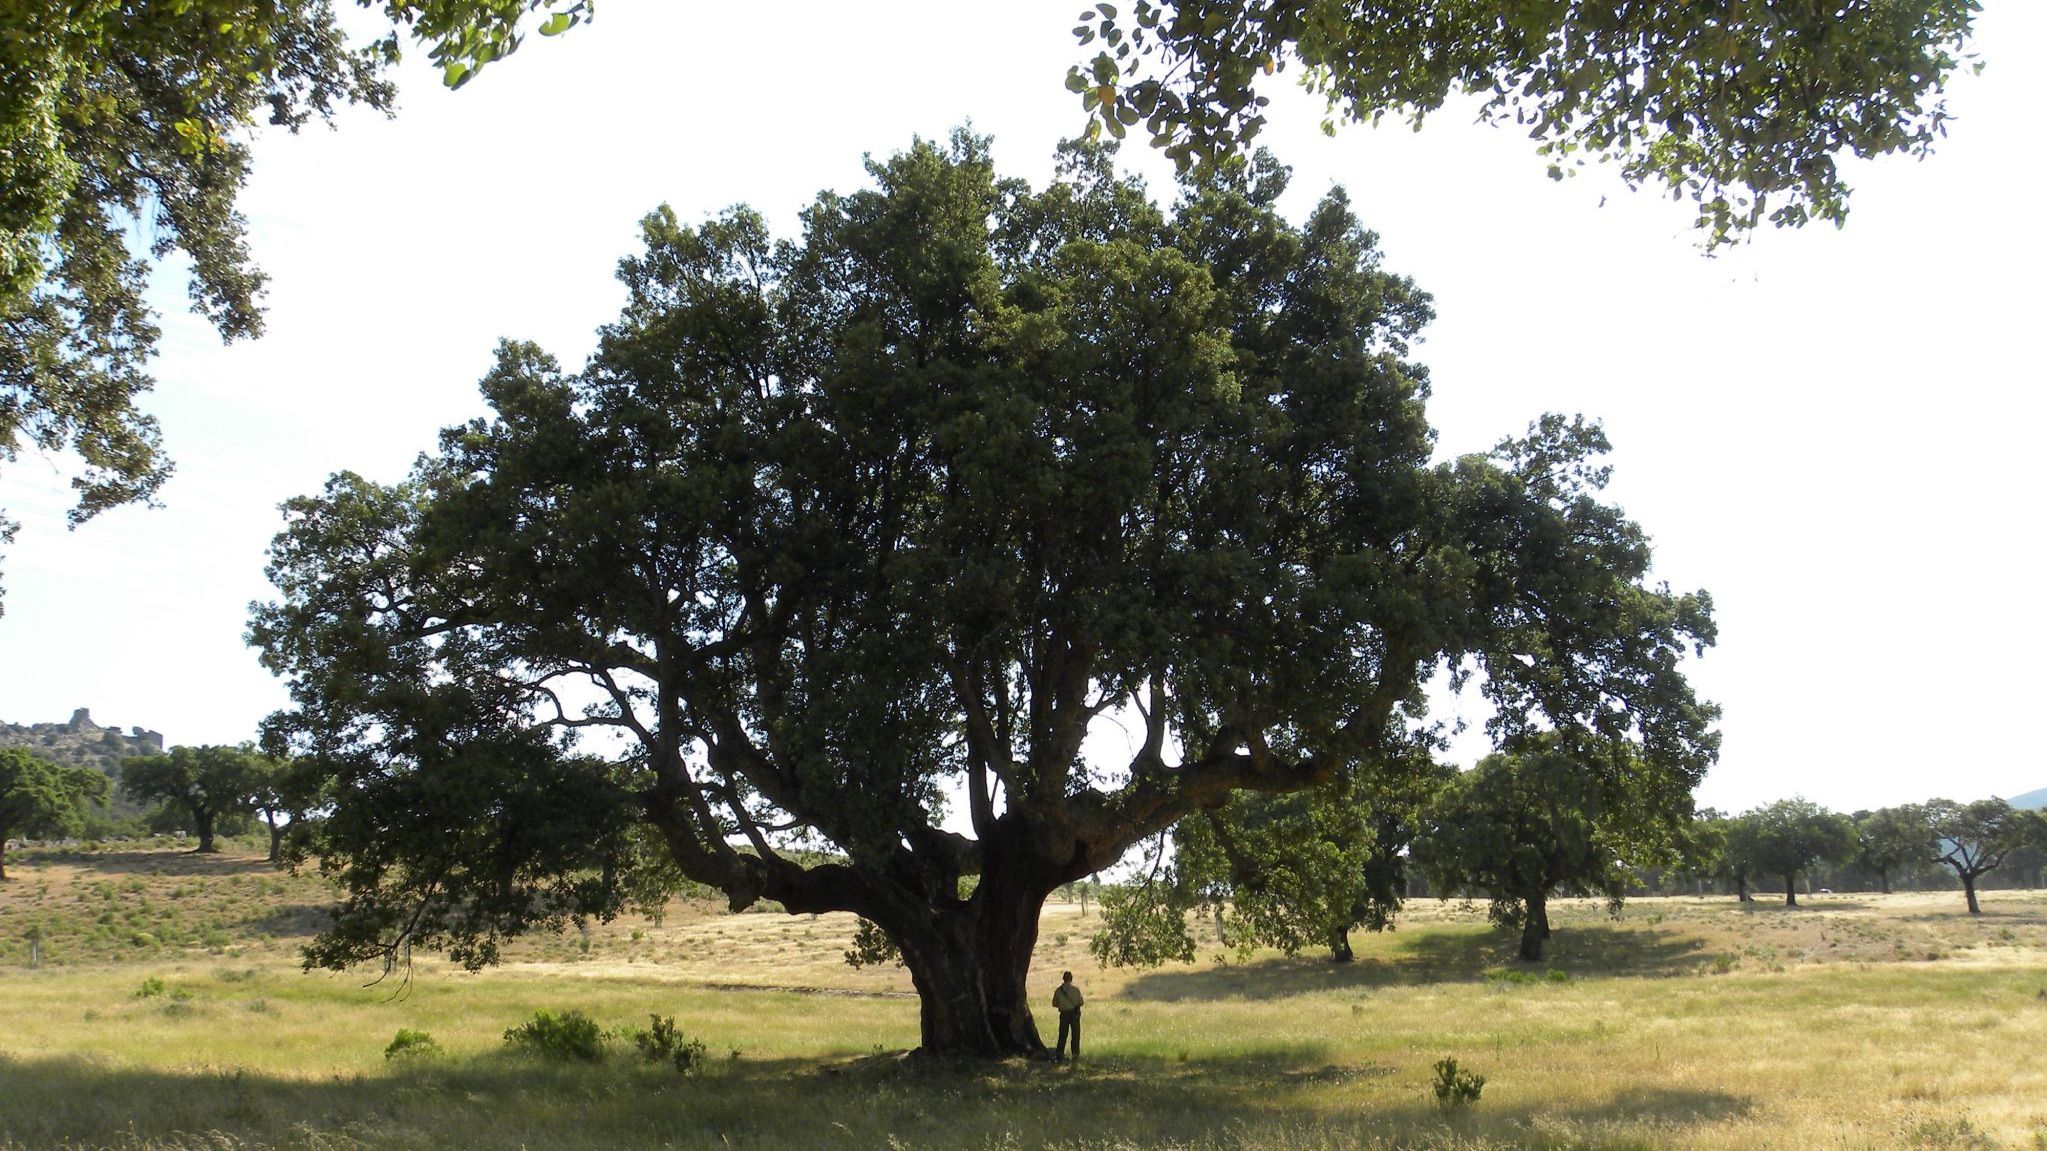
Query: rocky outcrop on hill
82	742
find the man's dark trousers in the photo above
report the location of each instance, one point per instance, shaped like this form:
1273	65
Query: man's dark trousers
1069	1024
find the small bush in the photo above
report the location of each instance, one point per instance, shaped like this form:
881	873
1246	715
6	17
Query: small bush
150	989
1455	1089
410	1044
568	1035
664	1042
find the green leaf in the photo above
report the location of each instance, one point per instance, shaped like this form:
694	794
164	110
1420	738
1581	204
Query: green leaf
557	24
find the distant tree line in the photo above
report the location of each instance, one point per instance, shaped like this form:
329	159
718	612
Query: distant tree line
206	792
1521	828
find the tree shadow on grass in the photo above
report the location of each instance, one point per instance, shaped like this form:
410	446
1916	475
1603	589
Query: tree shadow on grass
1434	957
158	862
494	1101
1685	1105
280	920
2007	914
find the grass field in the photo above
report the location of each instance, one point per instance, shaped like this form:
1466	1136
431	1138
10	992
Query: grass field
169	1012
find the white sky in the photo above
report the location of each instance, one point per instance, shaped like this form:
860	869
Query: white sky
1833	432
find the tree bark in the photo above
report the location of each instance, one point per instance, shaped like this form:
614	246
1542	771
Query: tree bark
970	963
1883	879
3	855
276	839
1969	888
1790	890
1339	945
204	821
1534	929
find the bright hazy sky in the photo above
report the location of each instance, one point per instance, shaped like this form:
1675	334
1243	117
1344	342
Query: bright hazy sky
1833	432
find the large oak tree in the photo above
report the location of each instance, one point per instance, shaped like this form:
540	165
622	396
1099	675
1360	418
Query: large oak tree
833	535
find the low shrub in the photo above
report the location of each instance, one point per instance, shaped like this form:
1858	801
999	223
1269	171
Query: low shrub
664	1042
1455	1089
567	1035
410	1044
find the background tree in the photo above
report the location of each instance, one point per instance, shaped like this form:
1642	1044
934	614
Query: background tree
1745	108
1289	870
1790	836
1974	838
39	798
1736	860
2027	861
283	794
205	783
1524	824
119	115
830	530
1699	846
1890	838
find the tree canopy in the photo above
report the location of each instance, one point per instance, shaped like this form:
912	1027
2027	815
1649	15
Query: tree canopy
1974	838
118	114
1892	837
1788	837
1554	814
833	529
1281	870
204	783
39	798
1744	107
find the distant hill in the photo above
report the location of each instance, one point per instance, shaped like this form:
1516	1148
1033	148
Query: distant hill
2032	799
83	743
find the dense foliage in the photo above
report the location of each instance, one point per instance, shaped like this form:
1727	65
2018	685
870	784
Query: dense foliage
1746	108
1786	838
118	114
40	798
203	783
1556	814
1892	838
833	529
1974	838
1285	871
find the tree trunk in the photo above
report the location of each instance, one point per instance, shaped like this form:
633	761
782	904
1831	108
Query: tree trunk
1969	888
969	962
3	855
1534	929
204	821
1339	945
276	839
1790	890
1883	879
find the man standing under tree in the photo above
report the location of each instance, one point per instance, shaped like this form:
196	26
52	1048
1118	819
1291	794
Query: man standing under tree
1066	1001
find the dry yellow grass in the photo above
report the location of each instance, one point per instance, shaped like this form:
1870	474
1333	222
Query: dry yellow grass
1855	1022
